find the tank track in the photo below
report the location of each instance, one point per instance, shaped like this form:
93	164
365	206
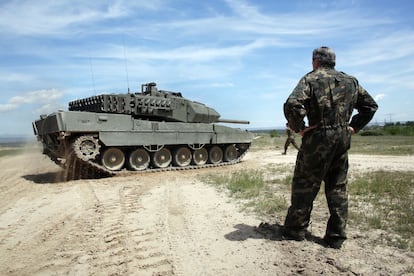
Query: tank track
76	168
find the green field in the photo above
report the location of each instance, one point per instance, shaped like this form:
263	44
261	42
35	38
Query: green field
386	145
10	149
381	145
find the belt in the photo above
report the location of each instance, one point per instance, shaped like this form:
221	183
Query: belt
332	126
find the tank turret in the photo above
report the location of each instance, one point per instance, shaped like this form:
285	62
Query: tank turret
149	130
150	103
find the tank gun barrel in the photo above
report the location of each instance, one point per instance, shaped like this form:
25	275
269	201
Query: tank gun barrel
233	121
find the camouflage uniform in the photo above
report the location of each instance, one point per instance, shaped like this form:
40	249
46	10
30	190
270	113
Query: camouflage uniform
327	98
289	140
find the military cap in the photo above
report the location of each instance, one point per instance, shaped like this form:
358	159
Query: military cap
324	55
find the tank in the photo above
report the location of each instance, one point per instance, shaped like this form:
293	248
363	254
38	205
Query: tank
151	130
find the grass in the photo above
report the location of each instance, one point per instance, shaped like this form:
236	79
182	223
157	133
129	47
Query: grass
384	145
265	141
389	204
8	152
16	149
240	185
257	193
381	145
378	200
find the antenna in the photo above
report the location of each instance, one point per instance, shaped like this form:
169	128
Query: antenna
92	75
126	64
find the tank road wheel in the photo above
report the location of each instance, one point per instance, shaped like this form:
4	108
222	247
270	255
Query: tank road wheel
216	155
139	160
230	153
113	159
162	158
86	147
200	156
182	157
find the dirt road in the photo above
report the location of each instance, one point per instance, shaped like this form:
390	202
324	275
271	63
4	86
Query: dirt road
165	224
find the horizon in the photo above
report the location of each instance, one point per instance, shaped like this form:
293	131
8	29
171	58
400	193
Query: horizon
21	138
241	57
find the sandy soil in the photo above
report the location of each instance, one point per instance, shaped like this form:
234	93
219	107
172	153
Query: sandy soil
167	224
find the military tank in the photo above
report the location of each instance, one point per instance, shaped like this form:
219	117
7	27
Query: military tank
151	130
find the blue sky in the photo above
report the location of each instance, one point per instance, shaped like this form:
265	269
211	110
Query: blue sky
241	57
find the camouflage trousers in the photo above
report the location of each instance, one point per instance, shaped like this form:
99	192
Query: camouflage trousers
323	156
289	141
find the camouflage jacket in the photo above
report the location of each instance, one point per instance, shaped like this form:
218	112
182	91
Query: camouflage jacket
327	98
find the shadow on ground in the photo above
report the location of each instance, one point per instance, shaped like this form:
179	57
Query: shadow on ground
265	231
45	178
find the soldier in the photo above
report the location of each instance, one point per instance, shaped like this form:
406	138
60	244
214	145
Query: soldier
327	98
289	140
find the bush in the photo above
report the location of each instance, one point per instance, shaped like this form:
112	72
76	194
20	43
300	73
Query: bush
274	133
399	129
371	133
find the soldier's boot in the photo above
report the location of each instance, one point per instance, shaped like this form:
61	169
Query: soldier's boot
292	234
334	242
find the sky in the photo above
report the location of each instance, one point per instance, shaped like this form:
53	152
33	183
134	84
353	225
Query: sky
241	57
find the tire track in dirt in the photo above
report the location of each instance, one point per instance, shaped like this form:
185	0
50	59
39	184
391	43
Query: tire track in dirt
111	256
180	237
123	246
39	223
147	256
166	223
74	245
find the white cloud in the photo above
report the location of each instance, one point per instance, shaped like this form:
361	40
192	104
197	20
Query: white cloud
247	20
44	97
54	17
388	47
379	97
186	53
222	84
48	108
236	45
13	77
7	107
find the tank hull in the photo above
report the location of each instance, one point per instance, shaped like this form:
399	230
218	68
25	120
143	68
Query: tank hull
89	136
123	130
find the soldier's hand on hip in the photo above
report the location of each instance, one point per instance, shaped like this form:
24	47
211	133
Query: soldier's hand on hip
351	130
303	131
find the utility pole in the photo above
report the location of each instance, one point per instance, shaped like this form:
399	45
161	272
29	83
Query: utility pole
390	115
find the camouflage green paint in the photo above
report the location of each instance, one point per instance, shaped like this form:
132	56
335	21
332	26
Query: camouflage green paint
327	98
